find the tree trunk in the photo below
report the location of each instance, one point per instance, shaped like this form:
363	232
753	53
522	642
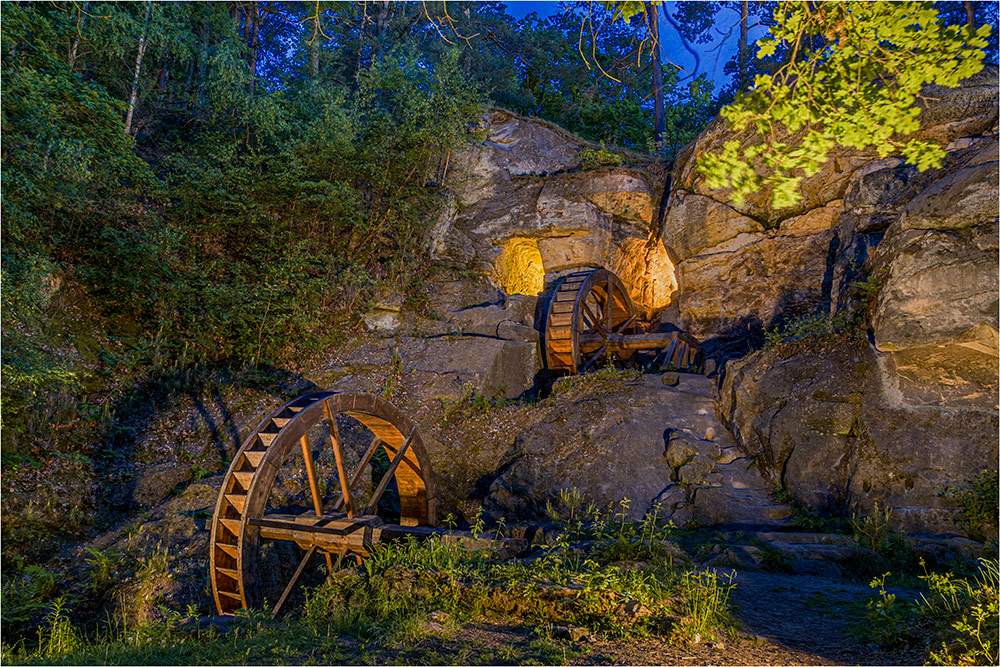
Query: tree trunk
659	122
80	16
133	98
314	56
381	24
970	15
161	81
361	38
202	66
254	38
743	76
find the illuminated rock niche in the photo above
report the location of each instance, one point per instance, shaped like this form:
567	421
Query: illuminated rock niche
647	271
519	269
642	265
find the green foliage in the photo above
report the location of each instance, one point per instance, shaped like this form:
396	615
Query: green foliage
871	531
959	613
102	568
978	504
706	600
58	636
887	622
594	158
242	226
967	614
853	75
816	325
26	591
808	519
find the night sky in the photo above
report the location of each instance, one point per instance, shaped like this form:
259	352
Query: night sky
712	60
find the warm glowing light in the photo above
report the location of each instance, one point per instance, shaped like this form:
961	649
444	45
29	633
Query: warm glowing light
519	268
647	271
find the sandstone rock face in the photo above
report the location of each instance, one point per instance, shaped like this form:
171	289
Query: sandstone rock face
521	198
831	432
936	315
905	405
490	348
743	268
654	444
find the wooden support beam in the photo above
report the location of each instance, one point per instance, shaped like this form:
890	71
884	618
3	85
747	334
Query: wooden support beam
373	503
291	584
338	454
337	533
594	359
313	487
356	477
625	341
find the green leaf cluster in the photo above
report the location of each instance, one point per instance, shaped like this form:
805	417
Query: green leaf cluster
854	74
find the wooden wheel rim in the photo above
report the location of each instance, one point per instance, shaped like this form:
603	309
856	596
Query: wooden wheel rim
568	312
234	541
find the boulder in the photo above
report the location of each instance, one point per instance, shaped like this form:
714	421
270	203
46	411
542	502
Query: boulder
656	445
936	312
829	430
441	368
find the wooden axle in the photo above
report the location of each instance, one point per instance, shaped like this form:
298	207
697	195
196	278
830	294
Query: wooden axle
337	533
592	342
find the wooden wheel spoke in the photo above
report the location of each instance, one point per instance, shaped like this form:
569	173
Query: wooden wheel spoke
291	584
313	484
596	321
359	471
338	453
624	325
382	485
608	296
593	359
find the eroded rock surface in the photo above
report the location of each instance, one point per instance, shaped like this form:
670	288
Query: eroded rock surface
741	268
829	433
904	403
523	185
936	314
640	439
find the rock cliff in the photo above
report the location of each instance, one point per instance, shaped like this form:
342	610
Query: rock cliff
892	411
742	268
522	194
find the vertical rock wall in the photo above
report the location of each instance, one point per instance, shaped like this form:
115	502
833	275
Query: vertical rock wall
524	183
905	405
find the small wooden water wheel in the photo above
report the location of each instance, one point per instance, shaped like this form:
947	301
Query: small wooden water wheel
288	494
591	317
587	308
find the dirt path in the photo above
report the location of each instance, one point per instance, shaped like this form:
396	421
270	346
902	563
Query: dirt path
814	615
785	620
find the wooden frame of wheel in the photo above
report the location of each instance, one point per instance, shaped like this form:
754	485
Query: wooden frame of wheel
589	310
241	512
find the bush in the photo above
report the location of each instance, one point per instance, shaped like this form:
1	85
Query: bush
966	613
978	505
594	158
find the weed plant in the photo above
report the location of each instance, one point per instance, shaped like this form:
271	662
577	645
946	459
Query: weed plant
959	614
848	322
594	158
978	503
614	576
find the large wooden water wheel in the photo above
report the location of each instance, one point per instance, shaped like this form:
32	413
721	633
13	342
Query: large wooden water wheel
588	310
288	494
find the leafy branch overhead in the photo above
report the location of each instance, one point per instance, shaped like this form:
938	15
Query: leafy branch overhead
854	75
